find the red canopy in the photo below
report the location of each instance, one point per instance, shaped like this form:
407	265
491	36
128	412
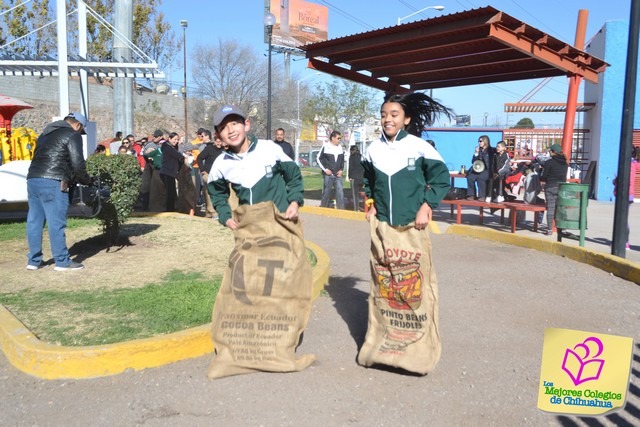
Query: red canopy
8	108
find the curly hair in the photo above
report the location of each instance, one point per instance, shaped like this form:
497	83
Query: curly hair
420	108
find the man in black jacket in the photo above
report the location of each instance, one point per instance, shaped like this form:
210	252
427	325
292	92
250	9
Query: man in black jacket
356	175
58	163
286	147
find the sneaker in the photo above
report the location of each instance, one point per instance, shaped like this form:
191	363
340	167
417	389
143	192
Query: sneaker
72	266
487	199
34	267
500	199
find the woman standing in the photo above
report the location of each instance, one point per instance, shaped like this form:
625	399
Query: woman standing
171	161
554	172
483	155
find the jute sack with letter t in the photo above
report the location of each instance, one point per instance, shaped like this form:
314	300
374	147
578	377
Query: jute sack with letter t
264	301
403	302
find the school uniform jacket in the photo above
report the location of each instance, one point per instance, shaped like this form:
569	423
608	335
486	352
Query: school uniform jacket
263	173
331	157
401	175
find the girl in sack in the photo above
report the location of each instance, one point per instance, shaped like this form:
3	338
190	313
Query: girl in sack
405	178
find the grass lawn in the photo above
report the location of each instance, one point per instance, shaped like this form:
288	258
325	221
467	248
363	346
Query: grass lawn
162	280
104	316
313	179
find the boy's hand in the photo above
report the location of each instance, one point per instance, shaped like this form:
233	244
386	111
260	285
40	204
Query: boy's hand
371	212
292	212
231	223
423	216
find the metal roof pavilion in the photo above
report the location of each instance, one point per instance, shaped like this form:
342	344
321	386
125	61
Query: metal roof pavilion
16	65
477	46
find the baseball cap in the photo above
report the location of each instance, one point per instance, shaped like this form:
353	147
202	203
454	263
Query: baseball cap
158	133
225	111
200	130
79	117
556	148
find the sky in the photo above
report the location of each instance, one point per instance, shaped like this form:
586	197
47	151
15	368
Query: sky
242	20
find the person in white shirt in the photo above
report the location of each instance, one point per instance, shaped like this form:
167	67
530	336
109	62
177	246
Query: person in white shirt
331	161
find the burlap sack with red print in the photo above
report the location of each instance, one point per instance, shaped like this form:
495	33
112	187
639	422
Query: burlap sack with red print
403	303
264	301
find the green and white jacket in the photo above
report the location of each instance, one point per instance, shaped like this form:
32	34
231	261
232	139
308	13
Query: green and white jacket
263	173
401	175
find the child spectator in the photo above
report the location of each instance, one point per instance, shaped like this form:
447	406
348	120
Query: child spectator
554	173
501	168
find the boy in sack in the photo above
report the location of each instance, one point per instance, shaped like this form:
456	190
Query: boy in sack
264	301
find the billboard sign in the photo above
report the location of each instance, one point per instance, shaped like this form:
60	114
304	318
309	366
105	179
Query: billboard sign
299	23
463	120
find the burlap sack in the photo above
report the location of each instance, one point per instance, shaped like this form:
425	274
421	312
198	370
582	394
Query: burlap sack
264	301
403	303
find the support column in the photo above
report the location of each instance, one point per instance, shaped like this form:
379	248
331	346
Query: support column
574	86
123	86
63	65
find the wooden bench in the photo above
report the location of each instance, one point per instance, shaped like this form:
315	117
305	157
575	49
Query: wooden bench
514	208
481	205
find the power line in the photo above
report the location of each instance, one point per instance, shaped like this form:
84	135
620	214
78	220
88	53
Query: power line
347	15
541	23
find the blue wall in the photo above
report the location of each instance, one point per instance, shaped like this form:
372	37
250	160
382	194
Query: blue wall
609	44
456	145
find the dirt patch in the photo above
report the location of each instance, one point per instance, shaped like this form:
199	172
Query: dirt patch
150	247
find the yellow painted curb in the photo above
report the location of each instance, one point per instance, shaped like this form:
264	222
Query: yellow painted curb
336	213
617	266
345	214
28	354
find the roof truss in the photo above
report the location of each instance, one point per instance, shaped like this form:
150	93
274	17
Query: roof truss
472	47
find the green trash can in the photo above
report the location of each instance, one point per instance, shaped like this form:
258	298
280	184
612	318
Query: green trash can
571	208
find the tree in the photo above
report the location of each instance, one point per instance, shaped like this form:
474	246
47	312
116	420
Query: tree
340	105
232	76
151	32
524	123
121	175
24	20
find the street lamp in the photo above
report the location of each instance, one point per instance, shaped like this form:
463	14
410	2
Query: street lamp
269	22
184	24
421	10
299	123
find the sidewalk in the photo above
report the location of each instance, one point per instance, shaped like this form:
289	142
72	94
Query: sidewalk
597	236
495	302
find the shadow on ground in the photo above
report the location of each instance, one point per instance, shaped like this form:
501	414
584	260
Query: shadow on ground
627	416
351	305
87	248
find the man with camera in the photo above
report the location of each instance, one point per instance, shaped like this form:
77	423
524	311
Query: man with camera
58	162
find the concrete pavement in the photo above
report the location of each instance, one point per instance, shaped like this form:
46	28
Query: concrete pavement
495	301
